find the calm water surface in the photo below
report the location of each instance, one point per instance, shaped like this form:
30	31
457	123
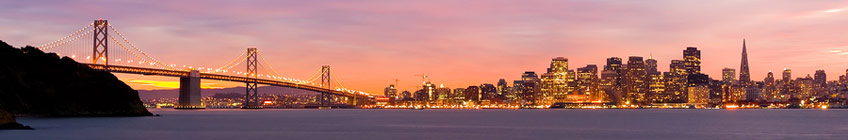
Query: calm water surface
446	124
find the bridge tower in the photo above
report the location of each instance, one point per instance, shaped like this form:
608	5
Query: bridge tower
325	83
251	98
101	44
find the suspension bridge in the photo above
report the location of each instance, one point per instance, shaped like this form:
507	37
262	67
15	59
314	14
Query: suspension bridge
102	47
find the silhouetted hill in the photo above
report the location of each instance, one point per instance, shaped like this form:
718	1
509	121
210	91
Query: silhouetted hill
270	90
34	83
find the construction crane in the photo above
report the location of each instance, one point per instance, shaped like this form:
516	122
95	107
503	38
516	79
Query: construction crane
424	78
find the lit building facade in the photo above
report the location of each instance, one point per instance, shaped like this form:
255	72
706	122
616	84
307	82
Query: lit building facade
530	84
391	93
676	79
698	94
728	75
692	60
588	83
635	81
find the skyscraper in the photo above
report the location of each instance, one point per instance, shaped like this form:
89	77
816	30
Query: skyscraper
558	65
744	74
502	87
656	88
472	93
692	60
635	81
588	82
787	75
676	81
651	66
530	86
769	87
820	78
613	63
548	88
391	92
611	85
443	93
430	91
555	84
488	92
728	75
611	80
769	80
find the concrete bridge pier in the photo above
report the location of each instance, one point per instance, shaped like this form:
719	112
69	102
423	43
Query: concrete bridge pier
351	101
190	92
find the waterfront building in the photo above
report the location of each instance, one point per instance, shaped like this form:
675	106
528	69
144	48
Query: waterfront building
517	91
488	92
472	94
530	86
548	89
429	90
459	94
391	93
698	94
635	81
555	83
656	88
588	83
676	81
804	87
611	85
753	93
443	93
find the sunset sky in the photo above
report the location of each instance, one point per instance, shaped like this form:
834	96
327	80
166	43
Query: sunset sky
457	43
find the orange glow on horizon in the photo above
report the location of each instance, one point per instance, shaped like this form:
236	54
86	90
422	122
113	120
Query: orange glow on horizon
170	84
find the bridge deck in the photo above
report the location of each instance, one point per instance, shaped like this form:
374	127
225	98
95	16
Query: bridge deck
177	73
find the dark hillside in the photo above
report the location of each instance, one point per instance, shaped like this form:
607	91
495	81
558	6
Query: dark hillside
34	83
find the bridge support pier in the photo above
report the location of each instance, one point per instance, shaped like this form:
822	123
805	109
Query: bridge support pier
190	92
351	101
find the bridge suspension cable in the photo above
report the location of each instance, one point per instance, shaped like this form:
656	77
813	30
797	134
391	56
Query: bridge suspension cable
136	48
315	76
266	63
61	40
237	61
143	61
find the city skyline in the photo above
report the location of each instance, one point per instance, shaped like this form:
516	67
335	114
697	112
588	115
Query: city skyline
474	48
